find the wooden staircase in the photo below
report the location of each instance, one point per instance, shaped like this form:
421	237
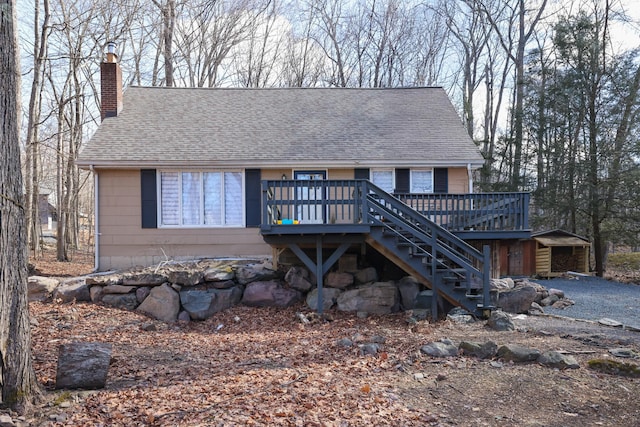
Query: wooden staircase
452	268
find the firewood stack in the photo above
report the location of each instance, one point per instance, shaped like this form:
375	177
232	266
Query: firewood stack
563	262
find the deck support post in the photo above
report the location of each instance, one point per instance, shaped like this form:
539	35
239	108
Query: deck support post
319	274
318	267
435	276
486	272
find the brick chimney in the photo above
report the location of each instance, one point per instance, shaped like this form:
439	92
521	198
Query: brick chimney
111	84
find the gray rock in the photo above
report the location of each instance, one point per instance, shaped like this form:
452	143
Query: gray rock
609	322
254	273
625	353
377	298
72	290
104	279
183	316
517	300
562	304
83	365
535	308
219	274
144	279
500	321
269	294
424	300
559	293
117	289
556	360
460	318
123	301
142	293
298	278
6	421
339	280
366	275
96	293
40	288
409	288
502	284
345	342
517	353
223	285
440	349
370	349
163	303
185	277
549	300
485	350
204	303
329	298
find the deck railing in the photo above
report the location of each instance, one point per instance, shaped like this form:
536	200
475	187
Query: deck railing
344	202
477	211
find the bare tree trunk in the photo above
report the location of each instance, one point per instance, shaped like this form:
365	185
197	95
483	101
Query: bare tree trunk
32	157
17	376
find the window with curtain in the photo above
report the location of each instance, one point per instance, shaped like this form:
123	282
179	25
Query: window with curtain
422	181
383	179
207	199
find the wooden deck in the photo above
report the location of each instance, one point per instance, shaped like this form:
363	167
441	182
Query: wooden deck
300	207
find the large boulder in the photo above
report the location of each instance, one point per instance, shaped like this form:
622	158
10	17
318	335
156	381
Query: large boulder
163	303
83	365
186	276
517	353
123	301
204	303
377	298
104	279
517	300
442	348
339	280
254	273
366	275
269	294
74	289
500	321
219	274
144	279
557	360
409	289
40	288
329	298
298	278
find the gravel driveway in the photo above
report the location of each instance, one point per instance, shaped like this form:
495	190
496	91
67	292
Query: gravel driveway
597	298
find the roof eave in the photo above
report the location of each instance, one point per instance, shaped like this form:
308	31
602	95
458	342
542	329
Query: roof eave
270	164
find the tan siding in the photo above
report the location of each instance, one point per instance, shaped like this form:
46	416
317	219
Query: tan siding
458	181
124	243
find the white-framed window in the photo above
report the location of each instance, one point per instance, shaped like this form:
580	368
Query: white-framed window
383	178
421	180
201	199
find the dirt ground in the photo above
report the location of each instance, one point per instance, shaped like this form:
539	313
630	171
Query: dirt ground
251	366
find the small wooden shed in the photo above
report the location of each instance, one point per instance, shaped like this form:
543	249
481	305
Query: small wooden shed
558	251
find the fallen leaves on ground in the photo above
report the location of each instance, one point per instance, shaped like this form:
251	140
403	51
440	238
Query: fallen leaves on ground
262	367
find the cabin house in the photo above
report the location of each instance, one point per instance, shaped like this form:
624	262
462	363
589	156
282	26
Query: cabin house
182	173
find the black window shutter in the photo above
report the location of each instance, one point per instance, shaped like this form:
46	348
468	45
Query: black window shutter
441	180
402	181
252	193
149	198
361	173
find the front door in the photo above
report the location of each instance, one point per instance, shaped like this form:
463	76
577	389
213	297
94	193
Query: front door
310	195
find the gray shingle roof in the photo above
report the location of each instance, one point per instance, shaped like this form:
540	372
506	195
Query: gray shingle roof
290	127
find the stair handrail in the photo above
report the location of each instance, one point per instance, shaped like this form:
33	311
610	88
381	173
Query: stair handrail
448	244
